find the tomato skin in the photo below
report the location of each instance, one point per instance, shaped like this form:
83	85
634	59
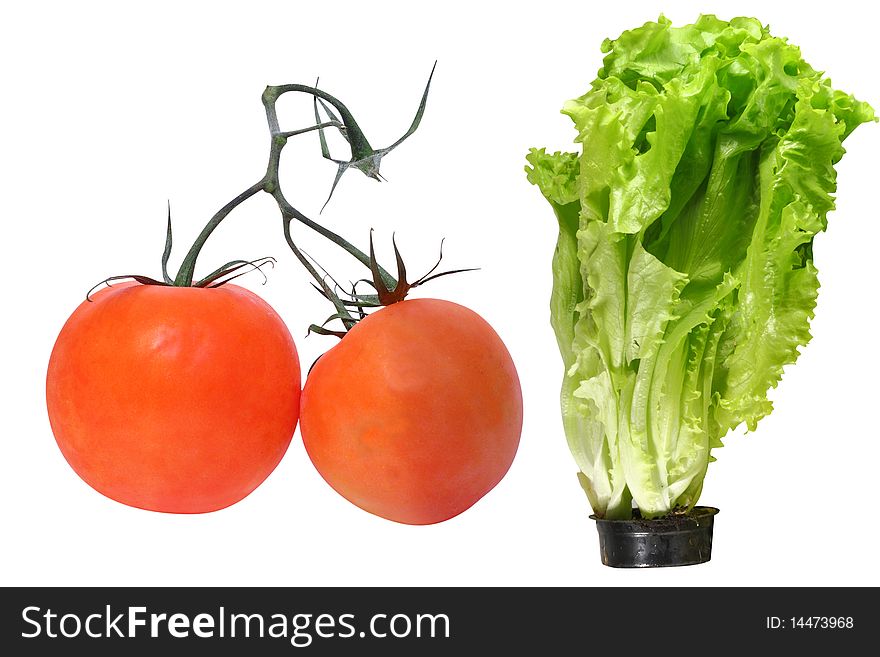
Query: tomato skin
416	414
174	399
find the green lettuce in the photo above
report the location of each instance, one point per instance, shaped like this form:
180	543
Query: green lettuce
683	276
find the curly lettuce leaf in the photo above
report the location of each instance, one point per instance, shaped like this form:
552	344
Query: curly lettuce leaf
683	277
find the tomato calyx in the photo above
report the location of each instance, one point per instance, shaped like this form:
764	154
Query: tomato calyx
220	276
385	294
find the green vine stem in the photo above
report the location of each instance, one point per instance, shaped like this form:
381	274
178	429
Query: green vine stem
363	157
349	305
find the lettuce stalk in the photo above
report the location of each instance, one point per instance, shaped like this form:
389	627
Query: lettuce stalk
683	276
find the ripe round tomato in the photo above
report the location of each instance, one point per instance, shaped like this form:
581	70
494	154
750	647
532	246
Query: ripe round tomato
174	399
416	413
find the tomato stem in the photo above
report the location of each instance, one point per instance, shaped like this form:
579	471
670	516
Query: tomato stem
184	276
360	152
364	157
353	134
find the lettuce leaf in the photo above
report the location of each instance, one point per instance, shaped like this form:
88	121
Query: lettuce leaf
683	276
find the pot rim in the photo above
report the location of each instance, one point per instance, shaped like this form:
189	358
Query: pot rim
695	512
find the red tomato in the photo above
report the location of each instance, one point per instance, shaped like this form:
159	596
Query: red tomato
416	414
174	399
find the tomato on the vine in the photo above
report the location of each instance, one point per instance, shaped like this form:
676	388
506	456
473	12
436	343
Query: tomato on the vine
182	394
176	399
416	414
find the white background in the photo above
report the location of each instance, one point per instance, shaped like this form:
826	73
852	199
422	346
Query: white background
109	110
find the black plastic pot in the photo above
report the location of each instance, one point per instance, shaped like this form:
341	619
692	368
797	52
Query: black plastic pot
675	540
